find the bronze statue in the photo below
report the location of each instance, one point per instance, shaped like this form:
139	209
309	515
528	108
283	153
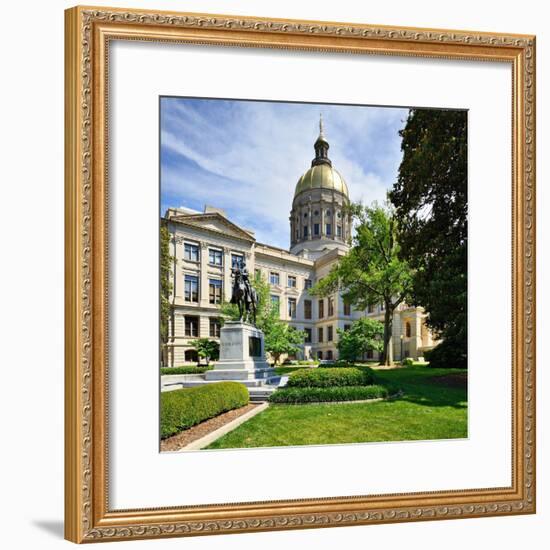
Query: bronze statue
244	294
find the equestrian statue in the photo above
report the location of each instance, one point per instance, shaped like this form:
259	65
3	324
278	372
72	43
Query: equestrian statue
244	294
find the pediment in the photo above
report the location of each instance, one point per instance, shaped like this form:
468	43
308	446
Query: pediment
214	222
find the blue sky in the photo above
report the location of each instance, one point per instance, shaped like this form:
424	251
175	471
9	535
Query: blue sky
246	156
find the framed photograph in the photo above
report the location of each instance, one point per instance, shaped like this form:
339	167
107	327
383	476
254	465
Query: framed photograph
300	274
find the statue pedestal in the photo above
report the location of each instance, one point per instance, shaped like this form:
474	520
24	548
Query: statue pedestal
242	355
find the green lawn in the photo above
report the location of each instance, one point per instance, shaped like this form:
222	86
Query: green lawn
431	408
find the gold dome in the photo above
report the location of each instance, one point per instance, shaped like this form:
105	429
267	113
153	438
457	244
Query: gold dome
322	176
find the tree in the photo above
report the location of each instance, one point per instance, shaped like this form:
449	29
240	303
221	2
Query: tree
165	276
372	272
282	338
279	337
206	349
430	198
363	335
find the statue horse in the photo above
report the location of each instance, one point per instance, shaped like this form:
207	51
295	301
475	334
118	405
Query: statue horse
245	297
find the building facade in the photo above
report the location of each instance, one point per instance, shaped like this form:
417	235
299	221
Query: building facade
206	245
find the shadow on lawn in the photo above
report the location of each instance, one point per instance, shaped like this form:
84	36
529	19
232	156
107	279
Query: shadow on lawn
427	387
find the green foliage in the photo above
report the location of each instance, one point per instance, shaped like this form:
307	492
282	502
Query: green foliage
363	335
337	393
282	338
165	276
184	370
431	201
207	349
407	362
373	271
181	409
448	354
329	377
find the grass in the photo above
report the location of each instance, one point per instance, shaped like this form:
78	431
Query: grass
433	406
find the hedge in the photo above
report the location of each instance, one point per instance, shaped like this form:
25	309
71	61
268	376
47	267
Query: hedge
318	395
181	409
184	370
327	377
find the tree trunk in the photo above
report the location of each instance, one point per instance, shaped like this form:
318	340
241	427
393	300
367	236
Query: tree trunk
387	350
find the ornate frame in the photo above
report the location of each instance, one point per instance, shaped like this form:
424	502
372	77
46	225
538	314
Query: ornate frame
88	32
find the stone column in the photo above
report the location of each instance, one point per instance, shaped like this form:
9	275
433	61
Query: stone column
203	278
227	273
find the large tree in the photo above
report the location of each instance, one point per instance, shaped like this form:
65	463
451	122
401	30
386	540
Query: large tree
364	335
372	272
279	337
430	197
165	276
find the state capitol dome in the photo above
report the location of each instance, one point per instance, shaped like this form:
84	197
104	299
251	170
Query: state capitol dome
321	175
319	219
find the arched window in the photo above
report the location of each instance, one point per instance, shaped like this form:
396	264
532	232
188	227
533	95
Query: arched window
328	212
407	329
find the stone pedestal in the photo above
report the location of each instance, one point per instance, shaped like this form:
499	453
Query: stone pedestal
242	354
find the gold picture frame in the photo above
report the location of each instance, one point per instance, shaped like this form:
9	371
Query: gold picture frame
89	31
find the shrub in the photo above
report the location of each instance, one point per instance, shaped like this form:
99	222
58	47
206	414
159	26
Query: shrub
184	370
318	395
447	355
181	409
408	362
327	377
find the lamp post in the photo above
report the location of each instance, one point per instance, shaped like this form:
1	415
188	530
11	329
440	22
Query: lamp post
401	356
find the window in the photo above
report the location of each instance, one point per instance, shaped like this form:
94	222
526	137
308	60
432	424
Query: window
215	291
328	228
347	327
275	300
339	214
307	309
347	309
369	354
320	355
191	252
338	230
237	260
382	306
274	278
191	326
215	257
330	333
407	329
316	213
321	308
191	290
308	283
331	306
292	308
215	327
329	355
305	230
370	308
320	334
308	335
291	281
316	229
328	212
305	214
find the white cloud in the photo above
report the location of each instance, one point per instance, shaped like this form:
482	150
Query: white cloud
246	157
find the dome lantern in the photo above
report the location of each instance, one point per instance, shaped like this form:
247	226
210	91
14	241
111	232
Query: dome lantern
321	147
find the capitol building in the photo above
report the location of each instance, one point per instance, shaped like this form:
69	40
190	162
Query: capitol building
207	244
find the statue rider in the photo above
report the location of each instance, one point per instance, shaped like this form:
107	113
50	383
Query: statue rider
242	280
